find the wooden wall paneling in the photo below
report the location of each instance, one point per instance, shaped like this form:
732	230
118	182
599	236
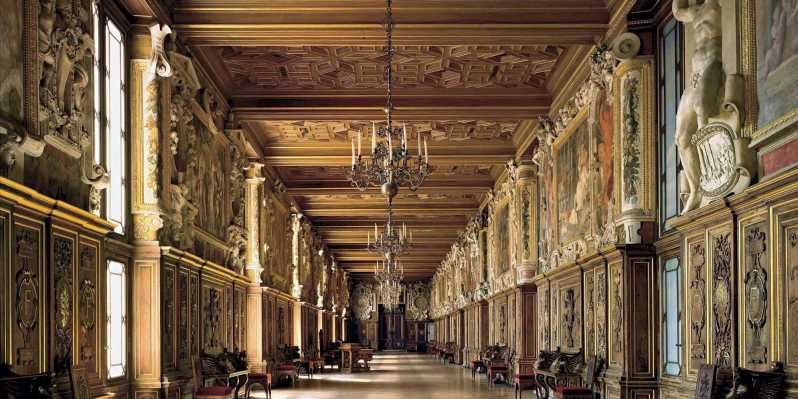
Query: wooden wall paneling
90	295
183	334
544	310
754	301
28	313
602	330
695	288
61	311
784	239
615	304
589	311
570	312
722	335
642	329
168	316
7	285
554	315
195	298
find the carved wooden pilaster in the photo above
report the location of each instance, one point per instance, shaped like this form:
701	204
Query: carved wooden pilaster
149	65
296	230
526	328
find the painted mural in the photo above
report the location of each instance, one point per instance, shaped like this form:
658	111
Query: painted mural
604	183
777	59
11	60
502	239
573	185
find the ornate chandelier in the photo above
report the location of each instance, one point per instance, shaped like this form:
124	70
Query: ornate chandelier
390	165
389	275
392	239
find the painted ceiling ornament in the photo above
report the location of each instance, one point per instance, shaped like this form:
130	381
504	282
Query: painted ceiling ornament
715	157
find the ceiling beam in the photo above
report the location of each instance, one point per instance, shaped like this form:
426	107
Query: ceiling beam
359	22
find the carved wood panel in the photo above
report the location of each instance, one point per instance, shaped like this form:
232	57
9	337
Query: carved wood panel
695	304
196	312
27	298
755	294
63	269
787	223
616	317
641	334
89	300
362	67
543	317
590	313
570	314
184	351
168	316
601	312
722	299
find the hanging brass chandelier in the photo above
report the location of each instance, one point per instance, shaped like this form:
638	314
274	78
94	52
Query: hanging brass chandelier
390	164
389	274
391	240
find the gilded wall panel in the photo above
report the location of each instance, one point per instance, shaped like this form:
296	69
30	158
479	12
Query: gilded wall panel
615	302
696	273
89	306
601	313
570	314
722	310
785	229
28	299
544	342
589	311
63	311
754	288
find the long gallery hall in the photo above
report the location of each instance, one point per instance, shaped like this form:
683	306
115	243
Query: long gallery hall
395	199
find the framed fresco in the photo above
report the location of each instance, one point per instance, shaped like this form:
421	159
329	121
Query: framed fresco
502	238
776	44
572	177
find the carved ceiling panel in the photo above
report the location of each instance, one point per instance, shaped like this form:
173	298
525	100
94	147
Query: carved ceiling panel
290	174
362	67
344	131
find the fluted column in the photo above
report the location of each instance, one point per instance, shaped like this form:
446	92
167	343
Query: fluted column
526	210
149	66
253	268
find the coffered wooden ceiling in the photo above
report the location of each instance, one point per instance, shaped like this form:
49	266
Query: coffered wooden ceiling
306	77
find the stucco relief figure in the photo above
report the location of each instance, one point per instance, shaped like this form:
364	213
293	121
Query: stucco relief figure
704	93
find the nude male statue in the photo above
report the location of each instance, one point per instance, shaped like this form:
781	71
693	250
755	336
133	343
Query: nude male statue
705	92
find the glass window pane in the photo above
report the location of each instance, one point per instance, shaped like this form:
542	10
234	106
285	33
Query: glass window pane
116	328
672	317
115	103
670	87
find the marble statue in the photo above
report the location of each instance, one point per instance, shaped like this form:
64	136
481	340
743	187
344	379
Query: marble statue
704	93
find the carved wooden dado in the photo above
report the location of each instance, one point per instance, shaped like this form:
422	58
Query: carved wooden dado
202	311
62	332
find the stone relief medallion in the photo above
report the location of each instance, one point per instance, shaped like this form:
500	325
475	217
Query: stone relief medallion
719	172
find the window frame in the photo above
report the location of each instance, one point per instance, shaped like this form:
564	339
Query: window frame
669	26
665	268
123	294
106	12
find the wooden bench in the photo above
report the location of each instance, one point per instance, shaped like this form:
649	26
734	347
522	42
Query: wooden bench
563	371
18	386
715	382
498	360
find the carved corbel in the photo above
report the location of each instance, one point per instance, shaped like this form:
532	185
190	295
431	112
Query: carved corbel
13	139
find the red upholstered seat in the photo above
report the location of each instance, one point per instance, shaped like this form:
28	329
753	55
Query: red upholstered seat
216	390
497	367
285	367
523	377
261	376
